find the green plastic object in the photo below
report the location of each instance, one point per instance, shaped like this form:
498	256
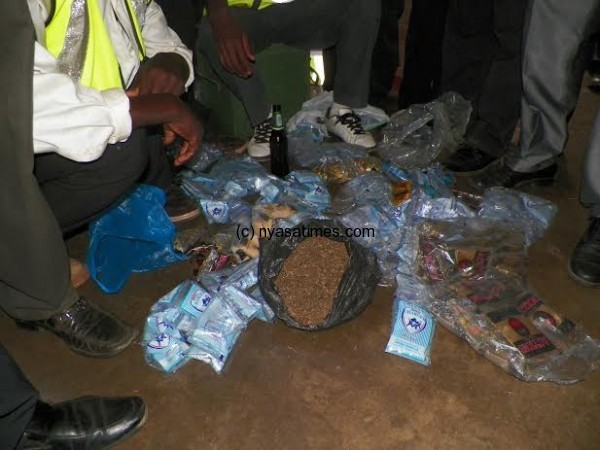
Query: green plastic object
286	73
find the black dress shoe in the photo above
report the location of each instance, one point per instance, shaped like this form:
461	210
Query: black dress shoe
87	330
584	264
499	174
468	160
88	423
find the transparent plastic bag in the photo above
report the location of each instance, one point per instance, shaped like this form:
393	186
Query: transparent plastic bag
469	249
233	187
335	162
416	136
206	156
227	183
302	190
429	183
379	211
367	189
529	214
387	204
506	322
312	114
346	170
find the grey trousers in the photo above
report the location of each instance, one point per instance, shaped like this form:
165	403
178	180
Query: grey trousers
350	25
34	266
553	68
482	62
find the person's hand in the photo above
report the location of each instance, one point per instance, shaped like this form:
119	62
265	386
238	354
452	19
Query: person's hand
187	127
165	73
235	52
175	117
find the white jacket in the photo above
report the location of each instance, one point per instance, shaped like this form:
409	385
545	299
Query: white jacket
78	122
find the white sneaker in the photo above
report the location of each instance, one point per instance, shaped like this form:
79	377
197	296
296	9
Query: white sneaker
259	147
347	126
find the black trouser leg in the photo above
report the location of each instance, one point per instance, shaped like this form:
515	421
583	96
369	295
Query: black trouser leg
482	62
80	192
17	401
423	55
385	52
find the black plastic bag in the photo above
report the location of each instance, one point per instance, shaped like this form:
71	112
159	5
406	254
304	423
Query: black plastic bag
355	290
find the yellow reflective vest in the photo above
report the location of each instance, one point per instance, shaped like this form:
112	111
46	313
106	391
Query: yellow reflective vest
249	3
78	38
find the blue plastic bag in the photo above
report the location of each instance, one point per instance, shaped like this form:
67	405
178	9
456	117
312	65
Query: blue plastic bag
134	236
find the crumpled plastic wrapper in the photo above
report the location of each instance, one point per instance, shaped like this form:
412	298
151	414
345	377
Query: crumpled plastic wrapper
526	213
504	320
468	249
229	191
207	155
415	137
334	162
470	274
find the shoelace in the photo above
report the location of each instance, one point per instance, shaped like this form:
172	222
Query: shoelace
352	121
262	133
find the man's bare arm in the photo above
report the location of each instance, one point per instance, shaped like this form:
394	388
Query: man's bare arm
176	119
235	52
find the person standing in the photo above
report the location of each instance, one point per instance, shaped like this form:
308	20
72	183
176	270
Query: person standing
422	73
553	69
482	62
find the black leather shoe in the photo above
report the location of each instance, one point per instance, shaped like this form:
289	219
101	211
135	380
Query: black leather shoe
87	330
467	160
499	174
584	264
88	423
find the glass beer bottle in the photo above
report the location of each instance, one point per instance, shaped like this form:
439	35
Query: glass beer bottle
278	145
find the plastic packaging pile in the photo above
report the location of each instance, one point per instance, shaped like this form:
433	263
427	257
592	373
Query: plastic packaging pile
417	135
227	193
384	207
474	271
202	320
454	257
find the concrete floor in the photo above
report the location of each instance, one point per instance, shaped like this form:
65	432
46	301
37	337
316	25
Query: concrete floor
286	389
